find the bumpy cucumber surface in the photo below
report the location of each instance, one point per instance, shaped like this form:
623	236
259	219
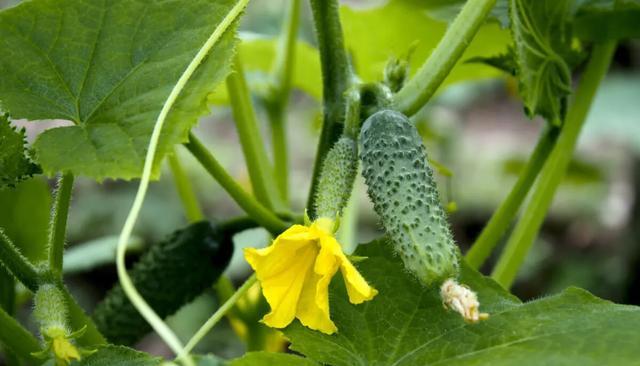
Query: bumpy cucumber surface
401	185
336	178
171	274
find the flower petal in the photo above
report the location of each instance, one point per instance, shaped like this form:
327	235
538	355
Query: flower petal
282	288
313	308
358	289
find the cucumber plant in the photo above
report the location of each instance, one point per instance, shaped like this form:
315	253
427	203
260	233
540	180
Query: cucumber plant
132	78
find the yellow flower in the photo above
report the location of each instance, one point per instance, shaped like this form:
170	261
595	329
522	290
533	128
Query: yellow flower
295	272
64	351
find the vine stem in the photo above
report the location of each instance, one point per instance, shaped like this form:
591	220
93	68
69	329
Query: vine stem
504	215
253	208
192	208
260	171
132	293
222	310
554	169
17	264
336	80
58	223
17	338
278	99
417	92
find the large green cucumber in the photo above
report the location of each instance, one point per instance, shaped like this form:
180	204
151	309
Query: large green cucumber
401	185
171	274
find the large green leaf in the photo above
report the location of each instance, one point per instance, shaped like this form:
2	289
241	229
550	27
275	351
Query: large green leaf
15	165
373	36
541	38
119	356
406	324
108	66
24	215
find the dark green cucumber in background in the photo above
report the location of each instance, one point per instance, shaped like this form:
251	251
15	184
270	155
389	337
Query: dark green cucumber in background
168	276
401	185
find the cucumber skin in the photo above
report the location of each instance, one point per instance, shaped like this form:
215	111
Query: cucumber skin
338	173
169	275
401	185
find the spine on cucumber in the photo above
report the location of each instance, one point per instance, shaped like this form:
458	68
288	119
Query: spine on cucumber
171	274
401	185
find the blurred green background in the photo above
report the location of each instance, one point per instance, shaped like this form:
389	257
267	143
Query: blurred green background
476	129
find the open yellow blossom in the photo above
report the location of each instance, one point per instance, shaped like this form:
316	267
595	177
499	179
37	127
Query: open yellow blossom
295	272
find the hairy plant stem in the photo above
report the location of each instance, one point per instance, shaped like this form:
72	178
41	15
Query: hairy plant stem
17	339
17	264
58	223
417	92
253	208
258	165
222	310
79	319
336	80
554	169
278	99
506	213
192	208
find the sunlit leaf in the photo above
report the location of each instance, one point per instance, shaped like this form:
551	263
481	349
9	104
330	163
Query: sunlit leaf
108	66
15	164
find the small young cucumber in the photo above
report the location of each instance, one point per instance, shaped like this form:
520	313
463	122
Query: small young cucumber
401	185
338	173
171	274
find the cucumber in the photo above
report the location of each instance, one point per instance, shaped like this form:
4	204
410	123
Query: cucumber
401	185
338	173
168	276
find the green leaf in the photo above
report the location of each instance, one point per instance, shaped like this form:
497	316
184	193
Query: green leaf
374	35
119	356
271	359
505	62
108	66
258	53
406	325
541	37
29	202
15	165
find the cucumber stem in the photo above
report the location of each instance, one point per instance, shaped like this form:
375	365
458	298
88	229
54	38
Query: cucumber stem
222	310
554	169
278	99
258	165
336	80
163	330
58	223
417	92
187	195
17	339
505	214
17	264
253	208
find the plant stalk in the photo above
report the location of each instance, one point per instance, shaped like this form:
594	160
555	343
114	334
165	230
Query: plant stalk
278	99
417	92
258	165
58	223
192	208
554	169
17	264
253	208
505	214
17	339
336	80
222	310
